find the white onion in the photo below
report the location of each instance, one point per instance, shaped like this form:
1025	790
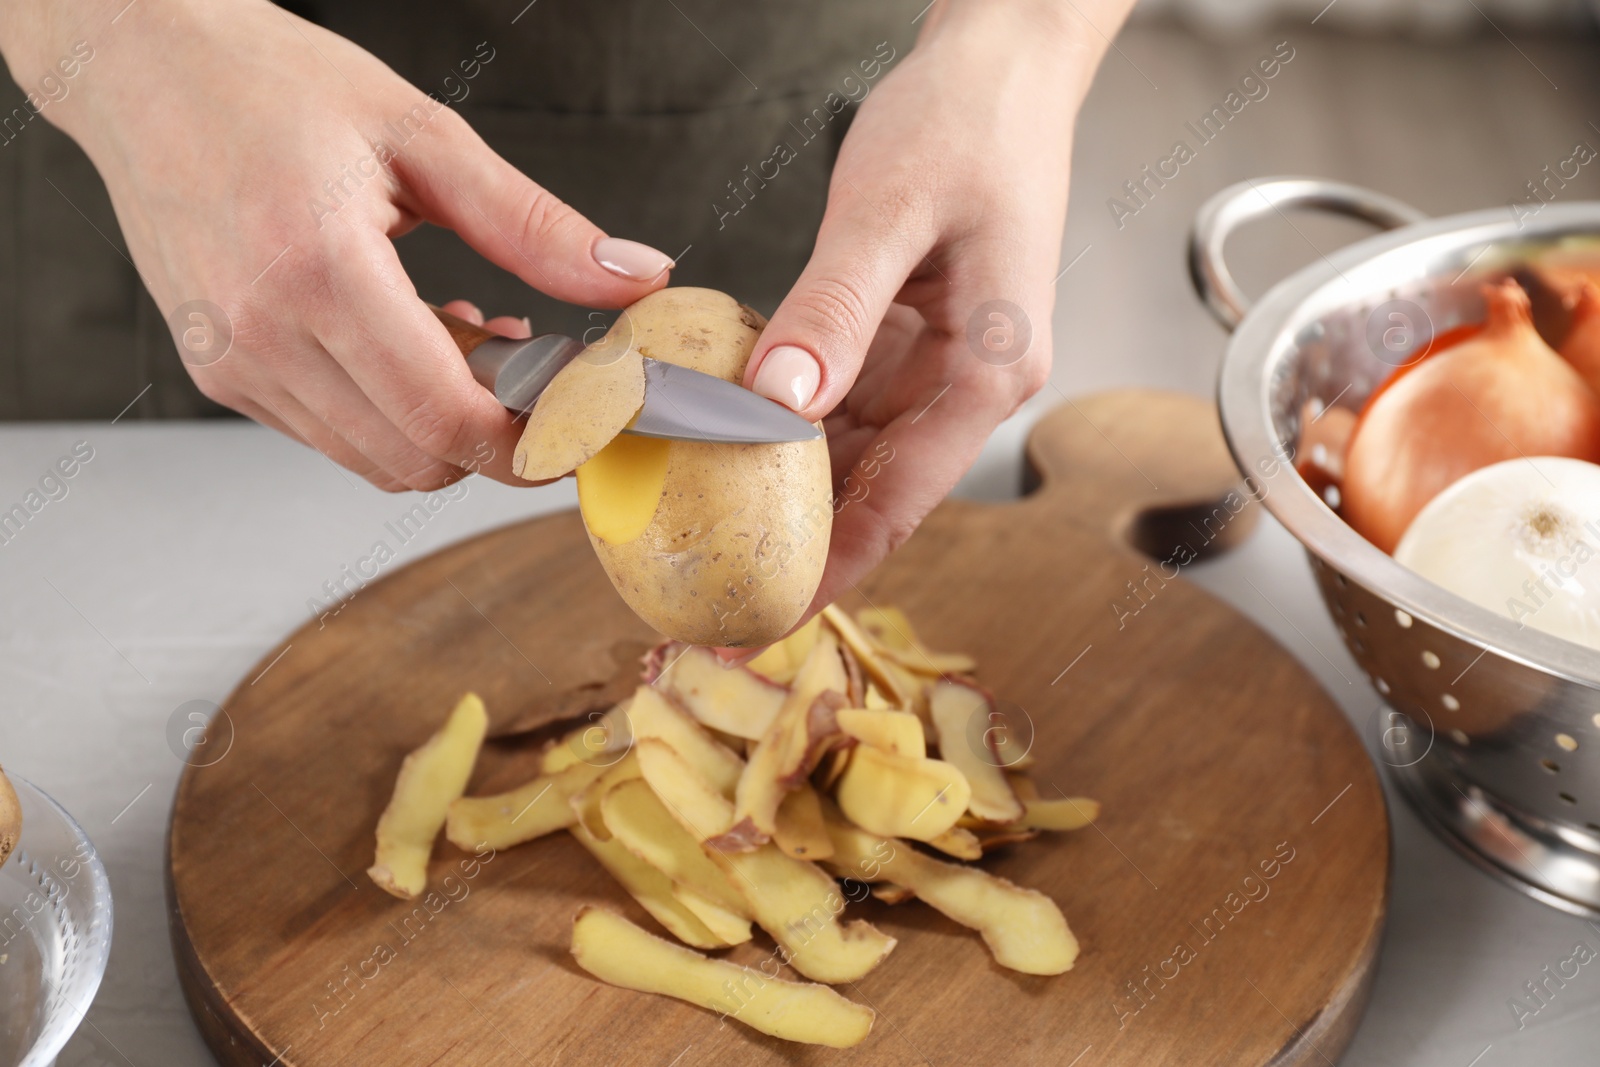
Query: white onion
1520	537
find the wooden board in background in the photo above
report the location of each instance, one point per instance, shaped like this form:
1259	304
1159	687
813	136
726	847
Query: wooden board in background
1213	751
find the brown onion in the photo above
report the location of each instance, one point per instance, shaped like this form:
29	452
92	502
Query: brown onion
1500	394
1582	345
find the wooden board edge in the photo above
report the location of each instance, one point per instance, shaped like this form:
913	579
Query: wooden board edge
222	1028
1330	1033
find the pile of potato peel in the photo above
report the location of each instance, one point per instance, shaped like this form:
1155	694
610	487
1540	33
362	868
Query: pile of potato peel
724	799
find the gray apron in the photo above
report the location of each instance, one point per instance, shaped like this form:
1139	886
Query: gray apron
660	120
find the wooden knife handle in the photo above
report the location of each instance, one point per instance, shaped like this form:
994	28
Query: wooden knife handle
463	333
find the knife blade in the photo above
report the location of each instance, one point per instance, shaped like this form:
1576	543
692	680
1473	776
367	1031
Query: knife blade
680	404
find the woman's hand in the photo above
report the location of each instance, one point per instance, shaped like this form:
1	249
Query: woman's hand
923	317
262	164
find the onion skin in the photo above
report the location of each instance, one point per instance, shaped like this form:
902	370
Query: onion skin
1521	538
1582	345
1502	394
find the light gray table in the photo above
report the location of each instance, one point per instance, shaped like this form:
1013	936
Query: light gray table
182	552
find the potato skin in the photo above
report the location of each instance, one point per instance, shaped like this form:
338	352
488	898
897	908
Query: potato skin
736	548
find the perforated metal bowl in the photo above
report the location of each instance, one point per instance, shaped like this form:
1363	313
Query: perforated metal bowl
1492	730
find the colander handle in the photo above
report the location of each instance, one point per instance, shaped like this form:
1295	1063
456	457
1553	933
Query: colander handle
1254	198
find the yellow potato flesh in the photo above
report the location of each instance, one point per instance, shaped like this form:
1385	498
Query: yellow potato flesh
693	801
898	732
430	778
899	797
890	681
1023	928
782	661
531	810
10	818
586	805
792	900
1064	813
637	817
799	905
799	831
889	627
603	738
780	753
620	486
959	842
653	715
968	745
728	925
615	951
731	699
648	886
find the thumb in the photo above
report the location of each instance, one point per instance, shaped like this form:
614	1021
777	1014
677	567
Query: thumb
453	179
812	350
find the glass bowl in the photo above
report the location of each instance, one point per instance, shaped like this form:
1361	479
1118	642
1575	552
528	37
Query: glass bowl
55	931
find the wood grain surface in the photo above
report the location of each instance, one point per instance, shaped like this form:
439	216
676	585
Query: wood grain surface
1229	901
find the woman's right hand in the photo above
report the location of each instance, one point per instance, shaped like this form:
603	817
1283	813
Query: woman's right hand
263	164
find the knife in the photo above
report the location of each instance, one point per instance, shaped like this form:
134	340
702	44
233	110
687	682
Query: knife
679	404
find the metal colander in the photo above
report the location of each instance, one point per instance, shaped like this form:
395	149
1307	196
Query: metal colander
1492	730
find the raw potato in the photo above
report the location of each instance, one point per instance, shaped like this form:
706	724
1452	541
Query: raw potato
725	799
736	545
697	806
959	842
584	407
10	817
800	831
429	779
620	486
636	816
618	952
603	740
1023	928
898	732
952	707
652	889
782	661
795	902
890	681
586	805
1064	813
734	700
900	797
532	810
798	905
780	760
655	716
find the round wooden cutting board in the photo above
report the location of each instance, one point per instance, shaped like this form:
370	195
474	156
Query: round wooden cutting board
1229	901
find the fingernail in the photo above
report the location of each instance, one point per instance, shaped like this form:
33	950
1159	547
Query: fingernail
790	375
527	325
630	259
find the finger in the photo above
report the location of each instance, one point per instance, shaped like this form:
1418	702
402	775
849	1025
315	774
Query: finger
948	402
288	414
453	179
504	325
330	396
403	360
464	309
813	348
507	326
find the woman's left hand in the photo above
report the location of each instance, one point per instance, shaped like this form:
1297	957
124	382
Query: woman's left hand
923	317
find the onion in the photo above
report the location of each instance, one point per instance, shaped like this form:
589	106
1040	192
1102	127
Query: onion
1582	345
1521	538
1500	394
